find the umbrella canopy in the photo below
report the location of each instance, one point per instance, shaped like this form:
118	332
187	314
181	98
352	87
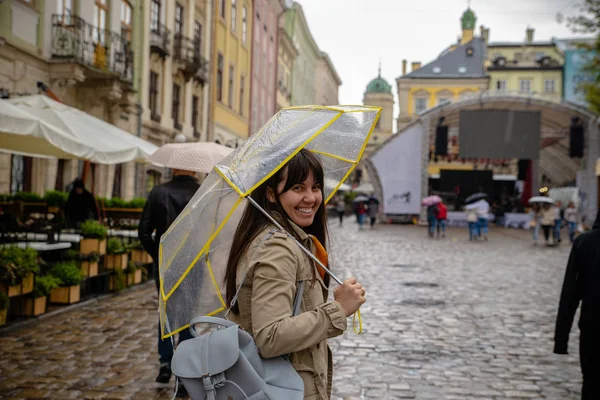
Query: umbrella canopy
366	188
194	251
332	183
475	197
38	125
431	200
541	199
360	198
198	157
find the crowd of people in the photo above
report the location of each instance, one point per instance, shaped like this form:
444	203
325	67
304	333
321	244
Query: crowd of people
551	218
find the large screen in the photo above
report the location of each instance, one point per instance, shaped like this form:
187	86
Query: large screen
499	134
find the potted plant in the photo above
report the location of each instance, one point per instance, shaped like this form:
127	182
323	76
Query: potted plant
137	203
3	308
94	237
36	305
17	269
69	276
118	280
27	197
133	273
55	200
89	265
117	256
138	254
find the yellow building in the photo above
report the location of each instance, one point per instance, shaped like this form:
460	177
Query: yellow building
529	67
230	72
286	55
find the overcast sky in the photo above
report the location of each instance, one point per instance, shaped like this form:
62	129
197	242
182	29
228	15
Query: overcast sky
358	33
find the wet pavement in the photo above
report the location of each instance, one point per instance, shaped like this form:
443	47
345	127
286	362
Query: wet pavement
445	319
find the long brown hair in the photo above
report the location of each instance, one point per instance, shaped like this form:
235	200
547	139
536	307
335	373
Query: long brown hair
253	221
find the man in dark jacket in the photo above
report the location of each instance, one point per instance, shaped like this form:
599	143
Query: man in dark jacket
80	205
164	204
582	284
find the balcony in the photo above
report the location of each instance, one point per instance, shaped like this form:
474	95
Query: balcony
186	52
159	40
101	50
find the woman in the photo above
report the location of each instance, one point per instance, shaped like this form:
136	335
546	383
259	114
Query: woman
547	222
571	216
472	219
441	219
536	221
271	264
373	212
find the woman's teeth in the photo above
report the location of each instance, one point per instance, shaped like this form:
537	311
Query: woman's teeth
305	210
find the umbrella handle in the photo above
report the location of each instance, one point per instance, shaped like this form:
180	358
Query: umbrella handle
304	249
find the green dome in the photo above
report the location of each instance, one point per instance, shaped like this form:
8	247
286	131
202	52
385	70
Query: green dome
379	85
468	19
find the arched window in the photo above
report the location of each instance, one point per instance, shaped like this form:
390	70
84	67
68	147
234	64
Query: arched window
126	20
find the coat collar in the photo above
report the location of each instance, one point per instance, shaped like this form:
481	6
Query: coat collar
299	232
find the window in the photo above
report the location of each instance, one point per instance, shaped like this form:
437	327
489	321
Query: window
525	86
175	110
197	40
501	85
178	20
230	94
116	192
155	16
244	24
242	85
420	105
65	11
223	2
195	106
100	12
126	20
549	86
20	173
233	15
220	77
153	99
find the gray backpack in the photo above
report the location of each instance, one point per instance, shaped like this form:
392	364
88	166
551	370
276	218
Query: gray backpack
225	364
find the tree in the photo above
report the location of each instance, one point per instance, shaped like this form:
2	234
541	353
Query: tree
589	23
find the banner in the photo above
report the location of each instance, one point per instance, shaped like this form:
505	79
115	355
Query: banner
399	167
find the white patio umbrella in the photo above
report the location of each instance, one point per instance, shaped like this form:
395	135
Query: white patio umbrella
332	184
366	188
38	125
198	157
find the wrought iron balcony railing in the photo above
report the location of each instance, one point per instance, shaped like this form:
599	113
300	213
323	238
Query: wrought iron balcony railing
73	39
159	39
187	52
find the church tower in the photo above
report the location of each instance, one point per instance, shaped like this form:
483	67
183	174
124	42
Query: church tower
379	93
468	21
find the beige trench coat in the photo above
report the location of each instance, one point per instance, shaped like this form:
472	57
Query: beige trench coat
274	264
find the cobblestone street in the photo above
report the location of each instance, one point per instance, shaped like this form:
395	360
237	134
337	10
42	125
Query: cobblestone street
445	319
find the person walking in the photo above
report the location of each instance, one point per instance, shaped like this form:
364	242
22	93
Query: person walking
341	208
432	212
483	211
373	205
361	211
80	206
582	285
165	202
557	222
536	222
266	268
547	222
441	219
572	217
471	216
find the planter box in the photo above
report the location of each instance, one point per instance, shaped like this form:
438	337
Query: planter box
3	317
112	261
134	278
87	246
141	257
34	307
89	268
27	284
53	209
65	295
11	291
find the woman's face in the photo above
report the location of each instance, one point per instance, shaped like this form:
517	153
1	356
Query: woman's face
302	201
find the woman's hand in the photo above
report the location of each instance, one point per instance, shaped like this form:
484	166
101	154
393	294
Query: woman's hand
351	295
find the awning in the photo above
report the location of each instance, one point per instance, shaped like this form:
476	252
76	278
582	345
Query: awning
38	125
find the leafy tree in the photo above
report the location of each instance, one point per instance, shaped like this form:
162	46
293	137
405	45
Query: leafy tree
589	23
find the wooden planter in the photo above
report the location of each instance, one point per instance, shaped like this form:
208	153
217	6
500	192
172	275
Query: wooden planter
65	295
134	278
34	307
27	284
112	261
3	317
89	268
140	256
53	209
87	246
11	291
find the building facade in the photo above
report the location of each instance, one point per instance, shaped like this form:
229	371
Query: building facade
327	82
83	52
264	62
286	54
174	81
230	69
529	68
305	64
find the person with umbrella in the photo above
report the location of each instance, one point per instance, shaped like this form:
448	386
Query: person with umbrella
266	264
582	285
373	206
441	219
